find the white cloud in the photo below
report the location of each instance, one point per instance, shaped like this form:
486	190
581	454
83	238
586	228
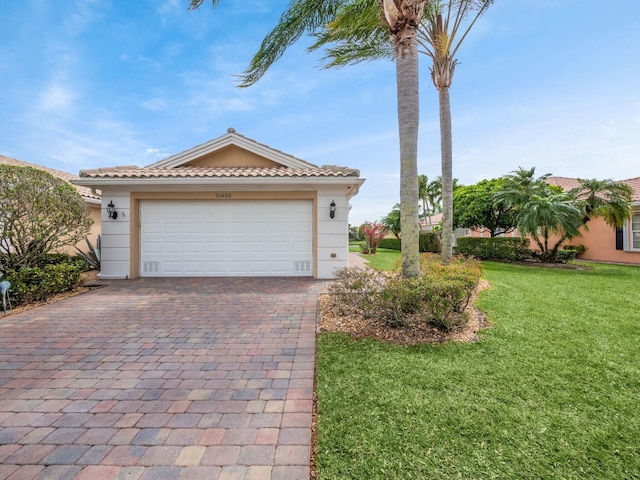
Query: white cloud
56	98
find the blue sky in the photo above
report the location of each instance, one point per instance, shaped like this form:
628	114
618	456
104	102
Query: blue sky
553	84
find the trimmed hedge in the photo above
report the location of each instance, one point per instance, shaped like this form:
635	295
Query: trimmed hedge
39	283
497	248
390	243
428	242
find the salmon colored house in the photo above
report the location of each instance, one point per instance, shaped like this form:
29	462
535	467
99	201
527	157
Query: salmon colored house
603	243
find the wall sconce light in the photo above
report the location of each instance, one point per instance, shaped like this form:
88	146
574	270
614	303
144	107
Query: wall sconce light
111	210
332	209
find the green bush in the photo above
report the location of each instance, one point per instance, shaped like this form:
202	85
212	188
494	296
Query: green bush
390	243
565	255
427	242
356	290
579	249
39	283
447	289
497	248
439	296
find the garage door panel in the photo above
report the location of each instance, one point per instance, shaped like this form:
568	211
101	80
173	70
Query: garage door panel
226	238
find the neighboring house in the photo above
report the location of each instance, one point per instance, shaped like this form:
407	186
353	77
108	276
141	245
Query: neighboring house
91	198
229	207
603	243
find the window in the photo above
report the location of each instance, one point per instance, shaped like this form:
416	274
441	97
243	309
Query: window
635	231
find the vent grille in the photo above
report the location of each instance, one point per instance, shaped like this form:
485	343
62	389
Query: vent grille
151	267
302	266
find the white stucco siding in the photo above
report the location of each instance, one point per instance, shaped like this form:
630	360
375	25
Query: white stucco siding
115	237
332	235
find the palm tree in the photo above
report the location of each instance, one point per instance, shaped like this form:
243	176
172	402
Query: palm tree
401	19
423	182
607	199
443	20
544	215
355	36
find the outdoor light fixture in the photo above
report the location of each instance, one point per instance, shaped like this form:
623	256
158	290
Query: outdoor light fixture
111	210
332	209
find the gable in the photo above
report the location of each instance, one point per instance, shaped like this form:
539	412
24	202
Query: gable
234	149
231	156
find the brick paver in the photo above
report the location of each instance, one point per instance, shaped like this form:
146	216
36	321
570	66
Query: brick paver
159	379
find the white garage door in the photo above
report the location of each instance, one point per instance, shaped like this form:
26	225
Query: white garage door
226	238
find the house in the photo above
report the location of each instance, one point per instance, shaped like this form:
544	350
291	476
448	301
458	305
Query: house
91	197
603	243
229	207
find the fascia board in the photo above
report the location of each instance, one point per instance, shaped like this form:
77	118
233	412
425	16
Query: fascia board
100	182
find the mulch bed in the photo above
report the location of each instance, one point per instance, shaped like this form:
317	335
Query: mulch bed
413	333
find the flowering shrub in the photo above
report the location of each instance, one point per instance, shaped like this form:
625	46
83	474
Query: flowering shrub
373	232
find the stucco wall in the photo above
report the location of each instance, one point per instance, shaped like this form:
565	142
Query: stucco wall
333	234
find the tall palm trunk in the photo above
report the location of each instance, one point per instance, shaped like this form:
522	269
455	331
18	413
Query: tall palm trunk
446	152
403	18
408	119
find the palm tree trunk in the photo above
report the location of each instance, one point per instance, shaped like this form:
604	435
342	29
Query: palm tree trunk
446	152
408	120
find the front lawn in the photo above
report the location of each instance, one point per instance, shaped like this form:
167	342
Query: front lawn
384	258
551	391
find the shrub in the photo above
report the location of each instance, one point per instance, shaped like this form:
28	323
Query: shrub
579	249
33	284
447	289
565	255
355	290
439	296
427	242
399	298
39	214
390	243
496	248
373	232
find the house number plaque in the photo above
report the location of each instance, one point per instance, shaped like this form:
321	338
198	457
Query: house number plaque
223	195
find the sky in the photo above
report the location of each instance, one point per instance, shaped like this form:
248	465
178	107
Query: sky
550	84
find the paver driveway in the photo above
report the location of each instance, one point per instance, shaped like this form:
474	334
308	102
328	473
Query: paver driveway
161	379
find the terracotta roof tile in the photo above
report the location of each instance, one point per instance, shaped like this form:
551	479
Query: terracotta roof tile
568	183
86	192
634	183
565	182
208	172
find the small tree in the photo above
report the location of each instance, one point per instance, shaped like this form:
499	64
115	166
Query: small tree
39	213
373	232
476	207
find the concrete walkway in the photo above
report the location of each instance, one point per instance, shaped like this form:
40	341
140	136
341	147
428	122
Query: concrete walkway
161	379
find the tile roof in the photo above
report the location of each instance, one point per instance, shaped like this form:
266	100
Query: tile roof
227	172
86	192
568	183
565	182
634	183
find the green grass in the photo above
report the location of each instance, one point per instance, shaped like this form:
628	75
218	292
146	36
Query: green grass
551	391
384	258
